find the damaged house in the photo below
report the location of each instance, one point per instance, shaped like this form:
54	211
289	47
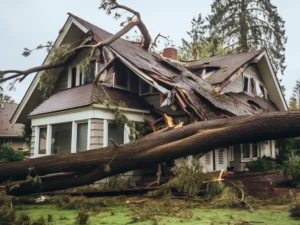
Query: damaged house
80	114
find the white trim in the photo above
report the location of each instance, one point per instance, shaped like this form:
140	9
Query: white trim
122	109
276	81
49	139
126	134
34	83
105	133
36	142
74	137
88	147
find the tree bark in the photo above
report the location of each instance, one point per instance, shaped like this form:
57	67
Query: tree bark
87	167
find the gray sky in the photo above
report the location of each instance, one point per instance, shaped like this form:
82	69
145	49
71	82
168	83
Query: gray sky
28	23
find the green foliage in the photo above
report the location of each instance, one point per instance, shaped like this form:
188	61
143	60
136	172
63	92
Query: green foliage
229	198
295	99
117	183
263	164
189	178
292	169
82	218
23	220
288	147
27	133
7	213
49	77
201	45
295	211
39	221
246	25
214	189
8	154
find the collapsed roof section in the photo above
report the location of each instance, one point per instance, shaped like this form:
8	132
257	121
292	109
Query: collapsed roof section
179	82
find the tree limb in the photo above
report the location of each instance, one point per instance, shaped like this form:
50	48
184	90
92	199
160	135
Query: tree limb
191	139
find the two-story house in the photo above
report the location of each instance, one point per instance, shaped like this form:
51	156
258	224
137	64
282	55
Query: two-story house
75	117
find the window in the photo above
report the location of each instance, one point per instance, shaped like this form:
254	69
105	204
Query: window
61	138
82	137
134	82
254	150
144	87
88	77
246	84
116	133
73	77
246	151
42	140
221	156
262	89
121	75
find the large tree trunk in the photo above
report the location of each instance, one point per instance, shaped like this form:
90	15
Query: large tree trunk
87	167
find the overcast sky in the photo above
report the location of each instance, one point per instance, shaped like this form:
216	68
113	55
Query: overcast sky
27	23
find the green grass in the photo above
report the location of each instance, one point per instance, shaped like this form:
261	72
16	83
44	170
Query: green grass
120	215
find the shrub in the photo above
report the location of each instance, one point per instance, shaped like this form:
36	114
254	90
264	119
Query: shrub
117	183
7	213
295	211
263	164
292	169
189	178
8	154
23	220
82	218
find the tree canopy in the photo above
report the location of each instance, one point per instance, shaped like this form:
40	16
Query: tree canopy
246	25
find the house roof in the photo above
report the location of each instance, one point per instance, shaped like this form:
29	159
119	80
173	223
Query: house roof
83	96
225	65
172	76
6	128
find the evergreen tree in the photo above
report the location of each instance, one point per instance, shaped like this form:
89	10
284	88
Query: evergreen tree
246	25
202	43
295	99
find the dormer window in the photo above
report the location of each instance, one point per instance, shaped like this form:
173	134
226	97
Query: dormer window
254	87
77	77
246	84
121	76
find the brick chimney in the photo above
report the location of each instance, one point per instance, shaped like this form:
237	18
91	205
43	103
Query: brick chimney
170	53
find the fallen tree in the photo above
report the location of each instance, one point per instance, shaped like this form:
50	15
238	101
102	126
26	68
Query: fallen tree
73	170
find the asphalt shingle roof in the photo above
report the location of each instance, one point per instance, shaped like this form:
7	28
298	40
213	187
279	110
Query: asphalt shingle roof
227	64
6	128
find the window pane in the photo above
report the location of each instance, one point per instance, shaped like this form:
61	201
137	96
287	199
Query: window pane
73	81
145	87
82	130
134	82
246	81
254	150
262	90
116	133
61	138
246	151
42	140
89	76
121	75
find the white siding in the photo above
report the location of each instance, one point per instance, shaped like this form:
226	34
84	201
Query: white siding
235	86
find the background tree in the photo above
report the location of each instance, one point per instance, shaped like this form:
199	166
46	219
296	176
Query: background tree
246	25
295	99
202	44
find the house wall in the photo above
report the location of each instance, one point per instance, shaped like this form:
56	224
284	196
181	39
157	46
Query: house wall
237	84
97	130
97	119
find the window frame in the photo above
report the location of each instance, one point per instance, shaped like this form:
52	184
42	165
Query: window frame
140	88
250	152
37	140
80	76
75	131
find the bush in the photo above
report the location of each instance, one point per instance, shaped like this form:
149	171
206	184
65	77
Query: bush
8	154
7	213
292	169
82	218
263	164
23	220
295	211
189	178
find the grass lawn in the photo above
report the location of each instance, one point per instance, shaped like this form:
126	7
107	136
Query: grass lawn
124	214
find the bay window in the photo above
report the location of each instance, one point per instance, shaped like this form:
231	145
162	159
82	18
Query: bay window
61	138
42	141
